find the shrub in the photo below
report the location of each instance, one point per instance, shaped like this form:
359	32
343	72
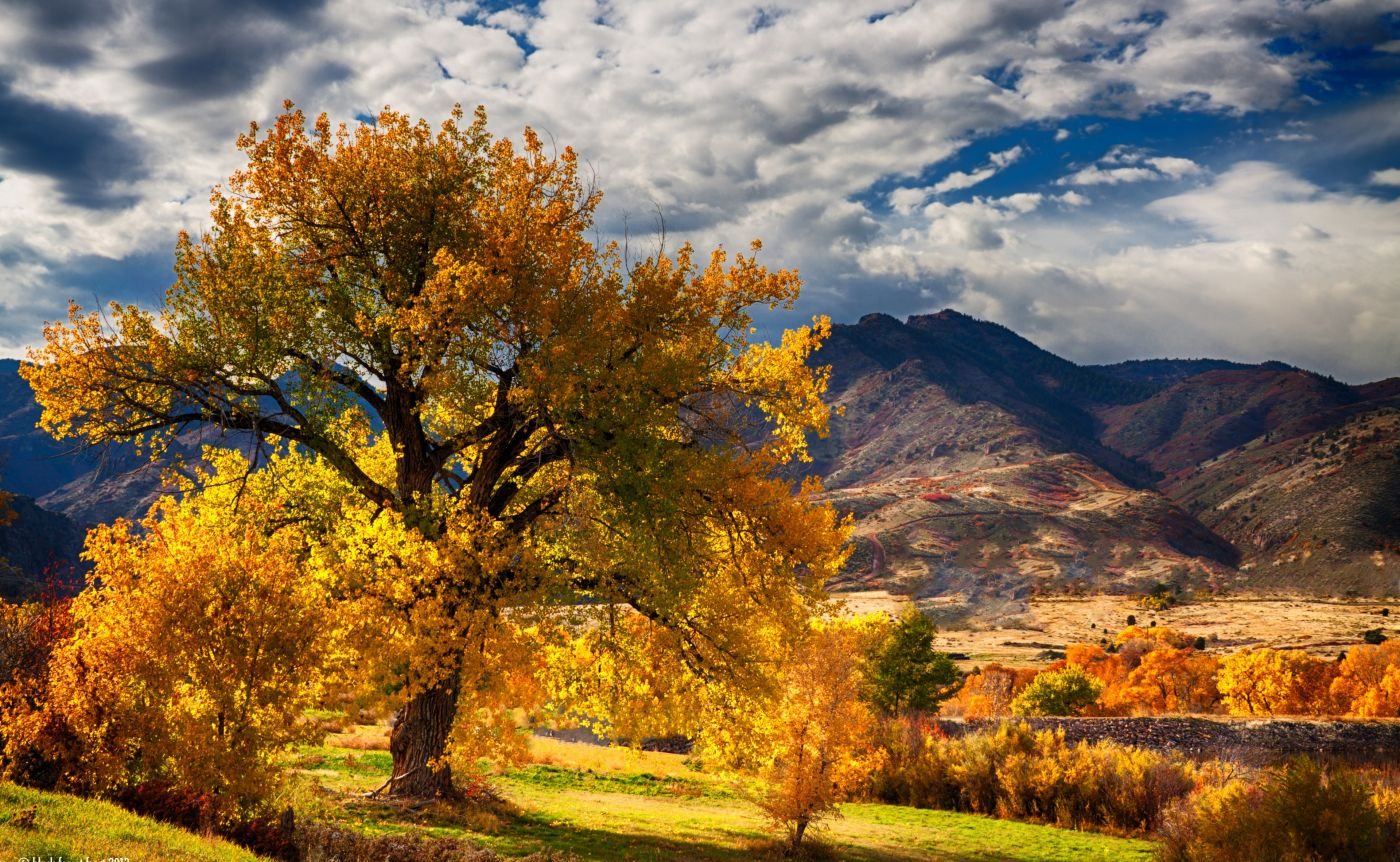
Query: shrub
1299	812
909	772
195	651
1015	773
33	744
1068	691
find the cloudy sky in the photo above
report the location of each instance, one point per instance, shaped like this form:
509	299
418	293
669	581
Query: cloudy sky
1112	179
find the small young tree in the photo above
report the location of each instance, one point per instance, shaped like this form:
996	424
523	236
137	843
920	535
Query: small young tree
905	673
819	730
1068	691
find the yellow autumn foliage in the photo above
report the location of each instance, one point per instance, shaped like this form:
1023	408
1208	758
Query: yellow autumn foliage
1274	682
197	646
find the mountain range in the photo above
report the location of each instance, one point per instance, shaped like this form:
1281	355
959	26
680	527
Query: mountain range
983	470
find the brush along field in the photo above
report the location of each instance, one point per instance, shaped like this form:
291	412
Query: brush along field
615	804
1323	627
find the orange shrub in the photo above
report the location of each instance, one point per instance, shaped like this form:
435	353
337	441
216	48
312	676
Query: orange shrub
196	649
1016	773
1367	684
989	692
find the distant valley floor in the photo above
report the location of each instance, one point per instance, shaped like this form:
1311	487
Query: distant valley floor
1321	626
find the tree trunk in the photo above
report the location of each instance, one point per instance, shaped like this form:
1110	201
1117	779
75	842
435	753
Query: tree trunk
418	741
798	832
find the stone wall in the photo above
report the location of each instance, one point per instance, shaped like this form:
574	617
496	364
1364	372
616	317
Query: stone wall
1243	740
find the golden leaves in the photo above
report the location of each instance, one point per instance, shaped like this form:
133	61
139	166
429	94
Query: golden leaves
197	646
1273	682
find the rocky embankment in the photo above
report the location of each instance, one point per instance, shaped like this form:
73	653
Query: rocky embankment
1255	741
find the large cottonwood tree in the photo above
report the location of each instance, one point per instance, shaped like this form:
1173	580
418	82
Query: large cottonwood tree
425	313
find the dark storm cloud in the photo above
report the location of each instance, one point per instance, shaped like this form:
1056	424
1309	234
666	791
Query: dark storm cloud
208	48
221	67
89	156
63	16
220	48
57	30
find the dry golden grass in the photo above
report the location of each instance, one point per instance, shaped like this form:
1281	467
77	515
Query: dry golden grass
1323	627
599	758
364	737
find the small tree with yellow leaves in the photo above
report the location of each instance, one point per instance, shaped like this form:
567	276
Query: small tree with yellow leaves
819	730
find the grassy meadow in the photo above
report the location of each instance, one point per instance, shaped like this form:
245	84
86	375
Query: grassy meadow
616	804
72	829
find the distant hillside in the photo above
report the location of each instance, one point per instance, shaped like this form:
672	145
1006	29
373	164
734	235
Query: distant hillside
1211	413
983	469
1165	372
1315	503
944	392
35	542
91	485
31	462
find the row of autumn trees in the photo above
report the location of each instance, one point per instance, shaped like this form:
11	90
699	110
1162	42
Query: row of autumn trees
1157	671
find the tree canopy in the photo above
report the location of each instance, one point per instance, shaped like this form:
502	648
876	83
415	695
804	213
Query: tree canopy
507	412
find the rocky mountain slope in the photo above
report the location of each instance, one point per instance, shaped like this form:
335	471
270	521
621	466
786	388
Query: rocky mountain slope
37	548
65	487
983	470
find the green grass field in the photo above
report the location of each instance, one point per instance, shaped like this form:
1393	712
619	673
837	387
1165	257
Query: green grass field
71	829
599	804
613	804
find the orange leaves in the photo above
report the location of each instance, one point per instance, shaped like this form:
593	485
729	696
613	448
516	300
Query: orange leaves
1367	684
1148	675
1168	680
818	731
990	691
